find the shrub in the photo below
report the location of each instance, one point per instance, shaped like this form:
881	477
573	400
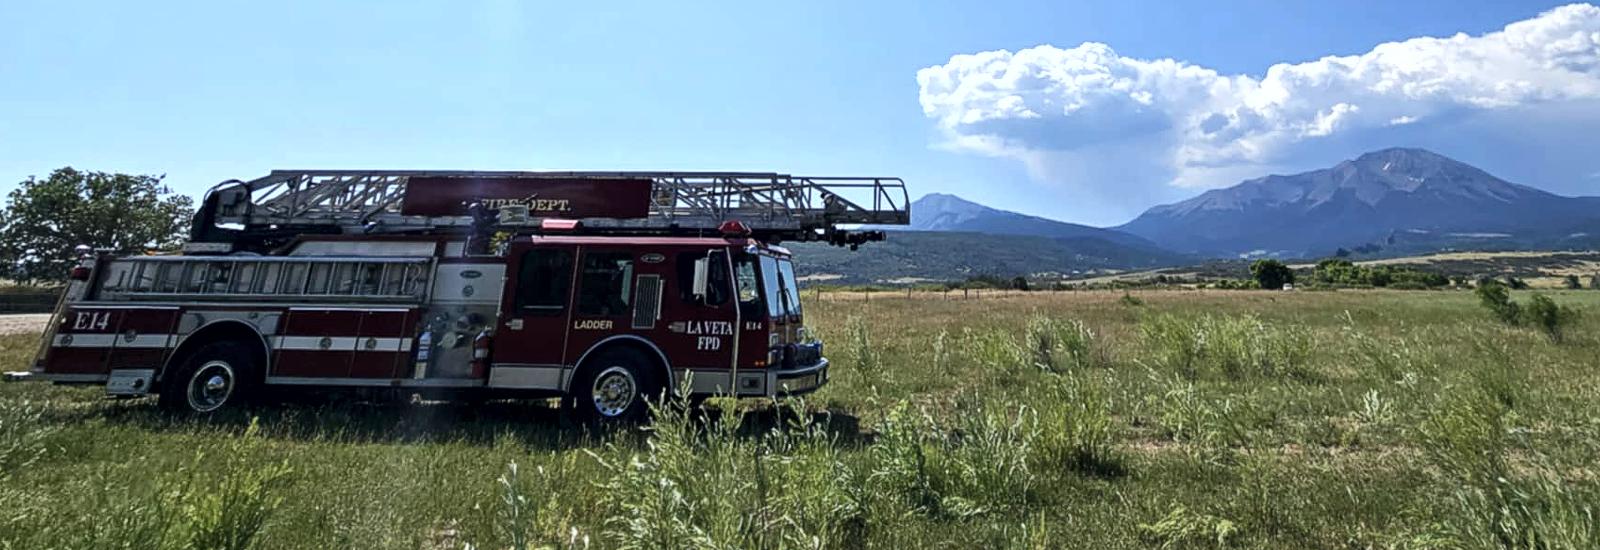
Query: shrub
1497	299
1572	282
1542	312
1548	316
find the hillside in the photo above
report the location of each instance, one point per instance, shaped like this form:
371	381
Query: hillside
1412	198
912	256
943	212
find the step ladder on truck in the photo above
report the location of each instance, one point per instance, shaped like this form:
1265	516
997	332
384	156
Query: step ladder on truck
608	288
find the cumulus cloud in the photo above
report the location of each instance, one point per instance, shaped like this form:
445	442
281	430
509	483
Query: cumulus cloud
1058	110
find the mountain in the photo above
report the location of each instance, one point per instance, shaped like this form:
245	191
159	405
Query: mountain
1412	196
951	238
941	212
916	256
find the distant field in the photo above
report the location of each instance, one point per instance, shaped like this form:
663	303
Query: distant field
1176	419
1541	269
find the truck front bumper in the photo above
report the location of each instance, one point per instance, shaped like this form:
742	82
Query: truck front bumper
797	381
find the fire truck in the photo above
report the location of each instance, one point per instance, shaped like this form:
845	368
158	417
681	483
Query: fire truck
608	289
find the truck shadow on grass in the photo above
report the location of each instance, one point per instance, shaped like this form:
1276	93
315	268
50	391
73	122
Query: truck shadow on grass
534	424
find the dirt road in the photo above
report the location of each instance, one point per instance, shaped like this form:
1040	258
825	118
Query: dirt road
23	323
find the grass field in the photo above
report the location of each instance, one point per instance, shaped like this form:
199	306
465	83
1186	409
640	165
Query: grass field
1172	419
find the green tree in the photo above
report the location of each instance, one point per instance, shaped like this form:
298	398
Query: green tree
1572	282
1271	274
44	219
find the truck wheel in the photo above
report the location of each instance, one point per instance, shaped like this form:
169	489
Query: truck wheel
616	385
218	376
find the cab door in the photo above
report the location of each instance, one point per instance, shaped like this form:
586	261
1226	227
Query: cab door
536	307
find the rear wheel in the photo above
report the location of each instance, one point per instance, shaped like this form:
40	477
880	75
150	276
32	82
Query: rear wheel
616	385
216	377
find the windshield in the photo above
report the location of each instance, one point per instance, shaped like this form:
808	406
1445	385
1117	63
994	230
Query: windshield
791	289
771	293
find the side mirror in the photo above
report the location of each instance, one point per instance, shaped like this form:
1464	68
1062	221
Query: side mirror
702	272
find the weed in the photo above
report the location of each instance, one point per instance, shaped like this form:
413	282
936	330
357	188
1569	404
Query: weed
1183	528
1058	345
1230	347
1375	410
228	513
22	435
1077	430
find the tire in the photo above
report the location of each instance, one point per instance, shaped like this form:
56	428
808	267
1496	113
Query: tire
217	377
616	385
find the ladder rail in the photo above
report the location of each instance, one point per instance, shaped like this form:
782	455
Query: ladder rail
369	201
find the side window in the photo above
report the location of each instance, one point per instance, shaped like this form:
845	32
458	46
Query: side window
716	278
744	273
604	287
543	280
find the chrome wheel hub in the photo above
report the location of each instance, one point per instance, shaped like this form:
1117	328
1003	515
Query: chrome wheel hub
211	386
614	390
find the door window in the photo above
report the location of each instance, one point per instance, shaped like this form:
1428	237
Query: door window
543	280
604	289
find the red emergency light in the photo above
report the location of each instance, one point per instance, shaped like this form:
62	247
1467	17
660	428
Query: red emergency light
734	228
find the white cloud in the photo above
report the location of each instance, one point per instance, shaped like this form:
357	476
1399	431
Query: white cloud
1057	109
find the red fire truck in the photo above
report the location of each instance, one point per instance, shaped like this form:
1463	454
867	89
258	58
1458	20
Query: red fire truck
606	288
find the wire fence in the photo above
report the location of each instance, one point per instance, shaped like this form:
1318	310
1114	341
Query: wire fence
913	294
25	300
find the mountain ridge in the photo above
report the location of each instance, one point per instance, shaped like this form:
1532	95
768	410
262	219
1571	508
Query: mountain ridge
1359	201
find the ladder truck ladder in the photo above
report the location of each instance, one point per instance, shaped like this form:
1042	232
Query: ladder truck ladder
268	211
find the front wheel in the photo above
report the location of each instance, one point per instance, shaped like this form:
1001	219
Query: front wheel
617	385
218	376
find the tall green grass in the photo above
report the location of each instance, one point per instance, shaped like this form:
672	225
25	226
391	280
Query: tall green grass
1237	420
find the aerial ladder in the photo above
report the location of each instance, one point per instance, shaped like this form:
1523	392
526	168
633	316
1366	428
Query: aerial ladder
266	213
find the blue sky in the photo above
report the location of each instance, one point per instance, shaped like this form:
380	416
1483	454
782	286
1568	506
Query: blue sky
207	91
